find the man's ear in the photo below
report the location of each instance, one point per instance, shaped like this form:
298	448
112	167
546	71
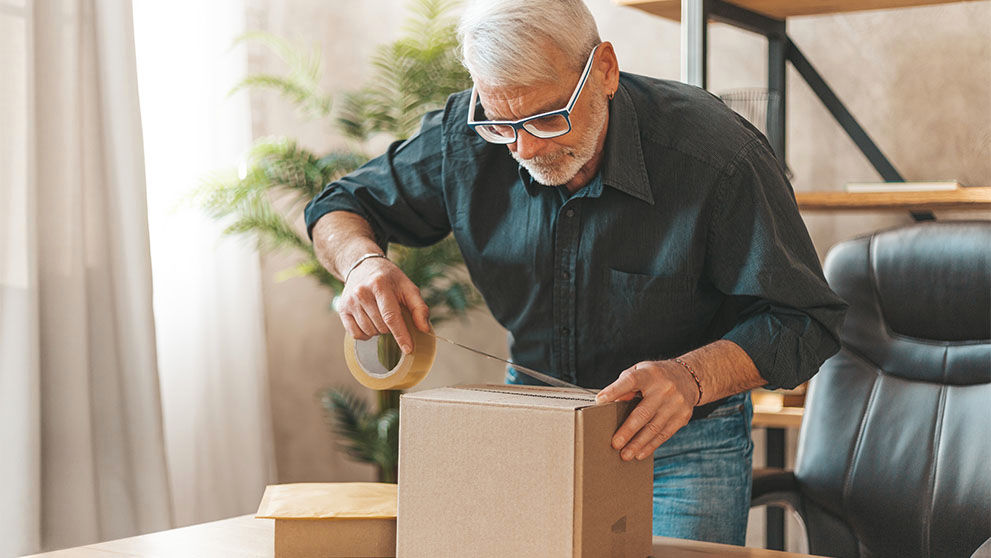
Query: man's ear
607	66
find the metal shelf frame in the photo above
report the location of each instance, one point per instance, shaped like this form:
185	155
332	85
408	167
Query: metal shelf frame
695	15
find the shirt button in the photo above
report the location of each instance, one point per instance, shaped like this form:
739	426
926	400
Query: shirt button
569	213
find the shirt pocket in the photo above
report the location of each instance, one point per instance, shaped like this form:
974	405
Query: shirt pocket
650	312
636	288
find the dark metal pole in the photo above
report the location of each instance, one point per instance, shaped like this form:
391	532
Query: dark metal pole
734	15
848	122
777	87
777	58
781	49
842	115
775	453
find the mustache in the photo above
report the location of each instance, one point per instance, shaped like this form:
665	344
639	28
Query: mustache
549	158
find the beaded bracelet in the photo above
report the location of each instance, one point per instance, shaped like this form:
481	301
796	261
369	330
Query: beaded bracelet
694	377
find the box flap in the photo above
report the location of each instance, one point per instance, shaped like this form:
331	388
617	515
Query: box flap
331	500
531	397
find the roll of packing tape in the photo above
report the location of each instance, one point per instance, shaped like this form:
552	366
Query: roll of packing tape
379	363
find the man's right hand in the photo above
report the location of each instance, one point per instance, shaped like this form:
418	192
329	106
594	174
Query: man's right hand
372	302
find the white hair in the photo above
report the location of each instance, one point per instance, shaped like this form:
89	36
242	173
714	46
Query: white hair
505	42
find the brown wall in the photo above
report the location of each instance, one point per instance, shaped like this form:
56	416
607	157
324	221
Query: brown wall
919	80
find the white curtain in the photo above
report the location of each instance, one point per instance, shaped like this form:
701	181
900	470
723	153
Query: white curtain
85	453
80	418
208	305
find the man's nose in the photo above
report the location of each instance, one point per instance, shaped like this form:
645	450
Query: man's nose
527	145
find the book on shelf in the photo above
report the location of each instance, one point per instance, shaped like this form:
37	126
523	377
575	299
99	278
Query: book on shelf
942	186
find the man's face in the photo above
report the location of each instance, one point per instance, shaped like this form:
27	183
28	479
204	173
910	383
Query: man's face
553	161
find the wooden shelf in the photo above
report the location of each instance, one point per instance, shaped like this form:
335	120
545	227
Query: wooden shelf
963	198
770	411
785	417
780	9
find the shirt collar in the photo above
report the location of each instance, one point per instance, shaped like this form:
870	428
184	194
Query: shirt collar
623	166
591	190
528	181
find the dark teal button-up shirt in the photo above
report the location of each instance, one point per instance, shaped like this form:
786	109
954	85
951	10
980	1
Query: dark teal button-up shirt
690	233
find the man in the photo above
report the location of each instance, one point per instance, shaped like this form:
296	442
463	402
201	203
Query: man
631	234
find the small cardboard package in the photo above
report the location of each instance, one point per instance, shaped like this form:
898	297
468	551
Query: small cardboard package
332	519
496	470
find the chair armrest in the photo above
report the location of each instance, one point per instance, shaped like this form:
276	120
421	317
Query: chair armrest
775	487
779	488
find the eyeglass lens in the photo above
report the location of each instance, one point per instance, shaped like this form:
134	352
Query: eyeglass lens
545	127
553	124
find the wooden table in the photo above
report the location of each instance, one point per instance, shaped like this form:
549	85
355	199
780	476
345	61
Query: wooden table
247	537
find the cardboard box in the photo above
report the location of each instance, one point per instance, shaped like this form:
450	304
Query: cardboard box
355	519
496	470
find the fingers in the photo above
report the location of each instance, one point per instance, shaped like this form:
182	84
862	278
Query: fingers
352	327
417	306
372	304
392	318
365	324
640	416
624	388
661	413
665	423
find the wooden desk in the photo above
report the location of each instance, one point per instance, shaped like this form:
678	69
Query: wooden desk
247	537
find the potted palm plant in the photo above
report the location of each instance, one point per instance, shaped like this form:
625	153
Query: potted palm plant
411	76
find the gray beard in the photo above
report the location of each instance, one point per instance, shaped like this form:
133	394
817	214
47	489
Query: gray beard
559	167
554	169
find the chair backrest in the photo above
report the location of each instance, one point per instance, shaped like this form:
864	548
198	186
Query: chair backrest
895	449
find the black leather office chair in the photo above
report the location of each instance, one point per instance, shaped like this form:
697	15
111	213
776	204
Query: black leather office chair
894	454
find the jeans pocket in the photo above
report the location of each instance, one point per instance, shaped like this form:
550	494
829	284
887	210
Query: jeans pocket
734	405
725	430
725	411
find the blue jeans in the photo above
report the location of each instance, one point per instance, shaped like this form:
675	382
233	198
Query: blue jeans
702	475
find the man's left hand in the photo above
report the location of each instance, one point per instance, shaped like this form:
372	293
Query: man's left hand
669	395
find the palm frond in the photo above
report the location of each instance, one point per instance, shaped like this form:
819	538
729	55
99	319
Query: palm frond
356	427
412	75
311	267
301	86
365	436
444	282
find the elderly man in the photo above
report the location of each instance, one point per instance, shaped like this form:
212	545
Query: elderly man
631	234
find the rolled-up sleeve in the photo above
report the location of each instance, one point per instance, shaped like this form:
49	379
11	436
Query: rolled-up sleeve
760	251
399	193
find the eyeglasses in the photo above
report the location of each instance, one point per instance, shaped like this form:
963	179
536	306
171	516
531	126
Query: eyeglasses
544	125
